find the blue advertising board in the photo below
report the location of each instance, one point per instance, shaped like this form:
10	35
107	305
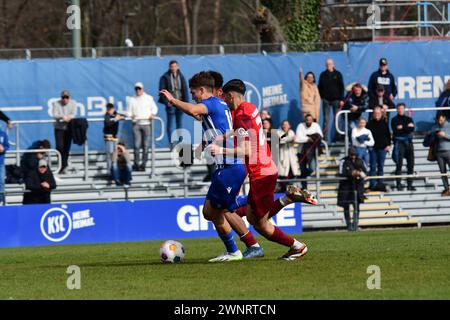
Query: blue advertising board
28	87
102	222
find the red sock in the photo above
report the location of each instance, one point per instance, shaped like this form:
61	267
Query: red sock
242	211
248	239
275	208
280	237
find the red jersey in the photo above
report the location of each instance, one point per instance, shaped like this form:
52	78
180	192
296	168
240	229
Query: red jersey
247	125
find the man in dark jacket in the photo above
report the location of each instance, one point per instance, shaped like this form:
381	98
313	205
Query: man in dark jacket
174	82
39	183
331	89
402	129
110	130
385	78
29	161
382	100
351	190
382	136
357	101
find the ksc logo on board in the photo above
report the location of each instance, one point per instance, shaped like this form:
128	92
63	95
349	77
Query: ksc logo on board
57	224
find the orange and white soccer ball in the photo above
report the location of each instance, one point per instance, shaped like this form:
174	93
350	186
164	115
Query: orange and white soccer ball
171	251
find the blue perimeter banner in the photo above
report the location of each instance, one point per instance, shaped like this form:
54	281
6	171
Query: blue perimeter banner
102	222
27	88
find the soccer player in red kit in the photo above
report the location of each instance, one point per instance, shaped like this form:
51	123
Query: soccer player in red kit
263	174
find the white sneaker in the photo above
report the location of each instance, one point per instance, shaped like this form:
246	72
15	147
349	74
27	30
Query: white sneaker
236	256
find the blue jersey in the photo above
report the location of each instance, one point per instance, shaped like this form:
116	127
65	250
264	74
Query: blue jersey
216	123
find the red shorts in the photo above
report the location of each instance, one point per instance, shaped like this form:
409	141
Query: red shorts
261	194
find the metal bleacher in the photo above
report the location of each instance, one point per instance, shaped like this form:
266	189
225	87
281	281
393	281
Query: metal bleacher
393	208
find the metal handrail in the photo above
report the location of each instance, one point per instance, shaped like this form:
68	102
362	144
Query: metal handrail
346	112
17	124
58	154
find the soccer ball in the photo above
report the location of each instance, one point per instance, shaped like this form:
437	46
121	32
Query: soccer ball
171	251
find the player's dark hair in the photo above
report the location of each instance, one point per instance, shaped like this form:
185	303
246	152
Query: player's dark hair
235	85
218	79
202	79
172	62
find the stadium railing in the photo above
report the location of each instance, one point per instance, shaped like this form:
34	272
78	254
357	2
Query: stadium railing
18	123
58	155
345	113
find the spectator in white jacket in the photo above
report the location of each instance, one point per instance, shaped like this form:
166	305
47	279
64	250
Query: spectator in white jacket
141	109
288	163
362	139
309	134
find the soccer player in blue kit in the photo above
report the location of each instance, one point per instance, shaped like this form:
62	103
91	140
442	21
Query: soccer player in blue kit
230	171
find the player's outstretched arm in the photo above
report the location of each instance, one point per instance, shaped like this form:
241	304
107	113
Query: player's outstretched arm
241	151
194	110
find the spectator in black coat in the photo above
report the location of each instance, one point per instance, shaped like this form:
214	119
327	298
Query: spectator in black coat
351	190
385	78
331	89
402	129
382	136
29	161
39	184
382	100
174	82
444	100
110	130
357	101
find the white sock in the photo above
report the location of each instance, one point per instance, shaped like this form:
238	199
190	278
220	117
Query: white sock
256	245
297	244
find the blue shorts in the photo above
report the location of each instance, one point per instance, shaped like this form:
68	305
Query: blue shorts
225	186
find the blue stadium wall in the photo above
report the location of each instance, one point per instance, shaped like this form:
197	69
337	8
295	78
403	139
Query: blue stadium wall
28	87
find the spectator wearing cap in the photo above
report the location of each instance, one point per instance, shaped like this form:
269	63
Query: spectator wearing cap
4	146
174	82
357	101
39	184
142	109
382	136
121	165
385	78
444	100
402	129
310	95
362	140
351	189
110	130
439	139
63	111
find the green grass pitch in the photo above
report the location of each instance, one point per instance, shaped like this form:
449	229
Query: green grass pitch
414	264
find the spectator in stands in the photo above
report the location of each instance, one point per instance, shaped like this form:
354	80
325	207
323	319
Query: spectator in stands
4	146
121	165
264	114
29	161
384	78
142	109
310	95
362	140
402	129
267	127
288	166
382	136
309	134
381	99
444	100
351	190
357	101
110	130
439	139
39	184
331	89
174	82
63	111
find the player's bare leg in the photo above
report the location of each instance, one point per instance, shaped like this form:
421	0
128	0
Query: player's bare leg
272	233
254	250
216	216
